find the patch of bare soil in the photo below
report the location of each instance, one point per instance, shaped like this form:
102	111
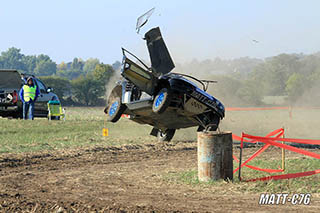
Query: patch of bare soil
117	179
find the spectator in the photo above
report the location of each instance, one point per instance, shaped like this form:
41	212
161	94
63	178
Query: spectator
28	95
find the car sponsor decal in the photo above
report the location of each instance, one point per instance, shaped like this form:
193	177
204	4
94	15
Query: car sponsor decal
204	99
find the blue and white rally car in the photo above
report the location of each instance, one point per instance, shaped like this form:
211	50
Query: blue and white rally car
155	96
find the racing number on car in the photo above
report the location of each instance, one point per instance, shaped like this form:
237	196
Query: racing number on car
194	106
197	105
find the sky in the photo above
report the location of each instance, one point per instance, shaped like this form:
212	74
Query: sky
65	29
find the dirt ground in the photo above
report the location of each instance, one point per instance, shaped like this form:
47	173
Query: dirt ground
118	179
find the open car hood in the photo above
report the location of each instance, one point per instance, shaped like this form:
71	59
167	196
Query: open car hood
161	61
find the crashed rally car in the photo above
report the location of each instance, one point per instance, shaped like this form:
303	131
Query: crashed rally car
156	96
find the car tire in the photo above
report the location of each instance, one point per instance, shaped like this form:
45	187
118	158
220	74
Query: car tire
18	115
165	136
212	126
161	101
115	110
200	129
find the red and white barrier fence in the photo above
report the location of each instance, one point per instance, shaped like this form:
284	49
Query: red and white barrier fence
274	139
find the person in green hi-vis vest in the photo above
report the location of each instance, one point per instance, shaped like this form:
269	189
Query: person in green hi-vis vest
28	95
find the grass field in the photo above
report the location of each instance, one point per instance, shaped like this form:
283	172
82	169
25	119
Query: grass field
83	127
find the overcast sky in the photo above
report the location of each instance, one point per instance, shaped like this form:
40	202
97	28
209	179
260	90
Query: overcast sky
64	29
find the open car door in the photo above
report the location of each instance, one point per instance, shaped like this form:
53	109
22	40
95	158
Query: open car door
139	76
161	61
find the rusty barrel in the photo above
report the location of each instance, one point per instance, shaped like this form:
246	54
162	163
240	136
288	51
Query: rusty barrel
215	156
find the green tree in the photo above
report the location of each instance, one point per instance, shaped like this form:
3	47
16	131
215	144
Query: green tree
86	90
282	66
103	73
295	86
77	64
250	93
30	62
71	70
69	74
45	66
90	65
310	65
61	86
274	73
12	59
62	66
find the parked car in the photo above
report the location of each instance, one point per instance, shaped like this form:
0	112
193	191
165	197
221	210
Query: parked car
11	82
155	96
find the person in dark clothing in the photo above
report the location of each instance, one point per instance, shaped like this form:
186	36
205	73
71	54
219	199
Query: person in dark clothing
28	95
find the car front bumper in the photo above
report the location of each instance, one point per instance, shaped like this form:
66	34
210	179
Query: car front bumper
8	108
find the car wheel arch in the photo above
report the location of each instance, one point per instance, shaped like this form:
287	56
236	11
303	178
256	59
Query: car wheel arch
161	84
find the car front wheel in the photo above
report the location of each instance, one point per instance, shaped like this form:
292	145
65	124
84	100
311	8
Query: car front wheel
161	101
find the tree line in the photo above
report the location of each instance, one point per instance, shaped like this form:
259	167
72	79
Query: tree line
241	81
78	82
247	81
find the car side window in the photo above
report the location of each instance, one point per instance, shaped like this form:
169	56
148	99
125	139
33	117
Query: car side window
41	86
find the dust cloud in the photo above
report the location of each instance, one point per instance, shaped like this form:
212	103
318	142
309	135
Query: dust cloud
310	98
112	82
